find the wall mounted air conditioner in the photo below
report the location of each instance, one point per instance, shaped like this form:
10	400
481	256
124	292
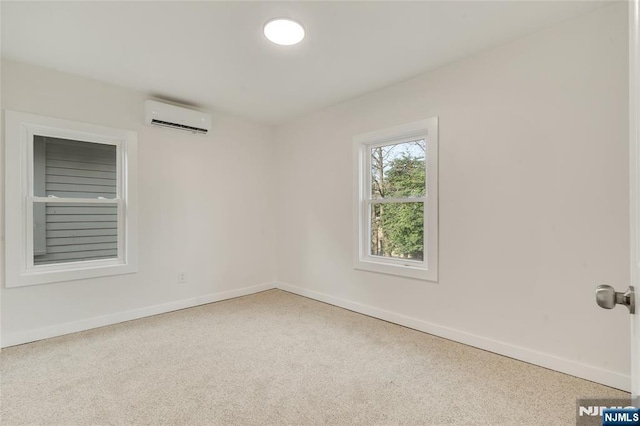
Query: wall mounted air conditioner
174	117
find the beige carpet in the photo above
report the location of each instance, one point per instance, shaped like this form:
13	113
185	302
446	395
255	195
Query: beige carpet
275	358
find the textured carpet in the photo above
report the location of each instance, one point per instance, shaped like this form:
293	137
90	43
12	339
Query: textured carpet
274	358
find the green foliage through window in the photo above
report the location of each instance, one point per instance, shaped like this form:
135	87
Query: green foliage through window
398	172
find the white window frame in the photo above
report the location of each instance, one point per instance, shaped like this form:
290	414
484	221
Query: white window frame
426	269
20	129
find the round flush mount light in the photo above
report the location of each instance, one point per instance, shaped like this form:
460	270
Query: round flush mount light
284	31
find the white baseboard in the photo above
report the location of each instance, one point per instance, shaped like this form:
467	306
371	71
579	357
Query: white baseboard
27	336
584	371
552	362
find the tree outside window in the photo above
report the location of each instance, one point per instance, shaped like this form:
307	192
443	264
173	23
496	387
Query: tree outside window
398	186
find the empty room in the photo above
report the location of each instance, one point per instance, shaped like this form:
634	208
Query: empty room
331	212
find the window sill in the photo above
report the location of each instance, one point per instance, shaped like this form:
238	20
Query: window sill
413	272
35	277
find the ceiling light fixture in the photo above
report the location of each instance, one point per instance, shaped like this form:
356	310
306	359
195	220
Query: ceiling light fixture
284	31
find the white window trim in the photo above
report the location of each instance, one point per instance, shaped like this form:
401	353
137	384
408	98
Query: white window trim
20	129
426	270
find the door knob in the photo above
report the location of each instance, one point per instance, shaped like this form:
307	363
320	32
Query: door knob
608	298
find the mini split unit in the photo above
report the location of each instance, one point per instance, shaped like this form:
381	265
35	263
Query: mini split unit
174	117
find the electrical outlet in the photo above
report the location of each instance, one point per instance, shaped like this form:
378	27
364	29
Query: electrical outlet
182	277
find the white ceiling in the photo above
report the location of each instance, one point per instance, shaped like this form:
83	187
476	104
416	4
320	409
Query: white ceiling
213	54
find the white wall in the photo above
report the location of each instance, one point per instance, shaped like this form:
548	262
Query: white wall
205	208
533	199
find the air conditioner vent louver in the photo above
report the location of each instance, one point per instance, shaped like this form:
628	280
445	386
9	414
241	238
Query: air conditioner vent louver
178	118
178	126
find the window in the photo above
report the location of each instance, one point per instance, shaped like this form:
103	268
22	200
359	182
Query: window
396	211
70	200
